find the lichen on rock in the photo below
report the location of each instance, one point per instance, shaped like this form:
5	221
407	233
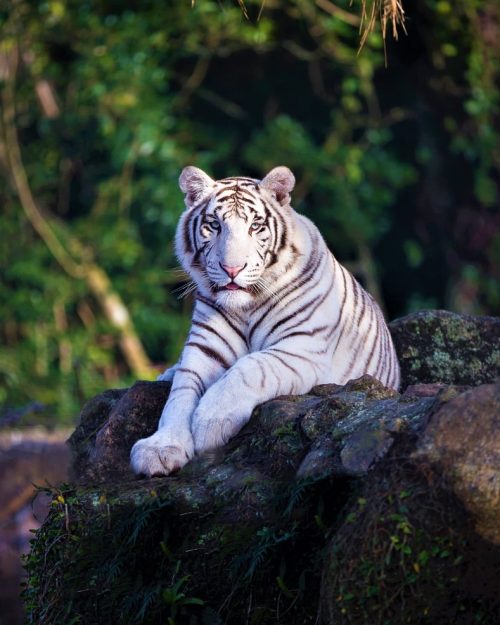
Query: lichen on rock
441	346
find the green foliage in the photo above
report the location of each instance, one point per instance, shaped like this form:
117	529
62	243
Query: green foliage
111	560
383	160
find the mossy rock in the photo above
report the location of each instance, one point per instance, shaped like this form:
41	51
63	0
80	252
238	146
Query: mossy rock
441	346
405	551
191	549
341	489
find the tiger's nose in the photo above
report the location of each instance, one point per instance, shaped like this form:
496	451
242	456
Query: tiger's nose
232	272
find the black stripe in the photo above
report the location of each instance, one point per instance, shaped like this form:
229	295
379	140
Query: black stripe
359	337
196	375
379	369
283	351
205	326
392	357
375	339
334	328
263	373
183	388
222	313
221	197
355	295
185	235
242	374
194	229
211	353
302	333
385	361
395	380
341	311
281	233
315	301
285	364
309	270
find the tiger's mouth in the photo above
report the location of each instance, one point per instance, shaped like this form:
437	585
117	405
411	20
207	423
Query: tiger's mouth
231	286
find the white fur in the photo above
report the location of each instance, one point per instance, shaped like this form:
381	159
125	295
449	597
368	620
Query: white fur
245	348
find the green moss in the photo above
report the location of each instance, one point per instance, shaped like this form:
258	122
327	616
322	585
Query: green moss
401	555
440	346
441	362
164	553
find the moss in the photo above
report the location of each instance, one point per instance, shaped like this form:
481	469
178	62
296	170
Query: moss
404	553
156	558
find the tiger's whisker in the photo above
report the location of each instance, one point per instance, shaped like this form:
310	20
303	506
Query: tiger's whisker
186	289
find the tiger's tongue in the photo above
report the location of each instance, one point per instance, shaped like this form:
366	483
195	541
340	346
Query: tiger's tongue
232	286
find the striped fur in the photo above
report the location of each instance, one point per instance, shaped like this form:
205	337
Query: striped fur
297	319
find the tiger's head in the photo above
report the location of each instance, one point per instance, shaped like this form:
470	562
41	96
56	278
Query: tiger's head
235	237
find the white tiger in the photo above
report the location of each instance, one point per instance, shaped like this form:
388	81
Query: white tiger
275	314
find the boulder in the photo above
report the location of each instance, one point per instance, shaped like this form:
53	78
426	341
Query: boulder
441	346
348	505
404	550
461	445
109	425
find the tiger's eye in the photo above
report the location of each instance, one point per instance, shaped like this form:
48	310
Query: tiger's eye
255	226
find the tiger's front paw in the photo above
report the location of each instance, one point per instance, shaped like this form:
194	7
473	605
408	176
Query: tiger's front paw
161	454
212	432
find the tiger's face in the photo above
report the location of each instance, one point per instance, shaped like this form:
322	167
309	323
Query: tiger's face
235	236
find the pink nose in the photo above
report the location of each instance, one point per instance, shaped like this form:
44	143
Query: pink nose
232	272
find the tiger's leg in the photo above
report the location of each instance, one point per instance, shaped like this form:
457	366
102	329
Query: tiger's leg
171	447
228	404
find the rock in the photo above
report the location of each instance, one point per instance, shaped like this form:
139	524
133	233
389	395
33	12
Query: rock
254	520
441	346
94	414
462	446
404	551
356	489
109	425
355	423
363	448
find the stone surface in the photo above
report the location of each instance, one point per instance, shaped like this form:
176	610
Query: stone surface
353	425
374	496
109	425
352	472
462	446
404	551
441	346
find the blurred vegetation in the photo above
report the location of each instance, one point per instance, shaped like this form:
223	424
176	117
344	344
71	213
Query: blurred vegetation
104	102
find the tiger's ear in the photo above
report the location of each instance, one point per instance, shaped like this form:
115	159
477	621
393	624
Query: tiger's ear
280	182
195	184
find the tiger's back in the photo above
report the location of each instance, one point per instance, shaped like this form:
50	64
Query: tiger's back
275	313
